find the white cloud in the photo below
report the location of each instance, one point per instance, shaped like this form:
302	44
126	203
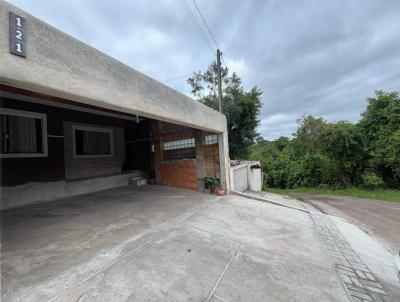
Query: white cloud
238	66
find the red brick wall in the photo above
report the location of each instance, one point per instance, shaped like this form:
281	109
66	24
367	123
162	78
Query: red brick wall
211	160
180	174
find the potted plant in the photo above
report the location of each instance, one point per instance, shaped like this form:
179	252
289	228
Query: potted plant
208	184
218	189
213	185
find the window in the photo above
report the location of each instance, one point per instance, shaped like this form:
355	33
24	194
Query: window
23	133
211	139
179	149
179	144
92	142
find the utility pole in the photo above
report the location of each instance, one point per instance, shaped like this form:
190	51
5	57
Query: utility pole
219	79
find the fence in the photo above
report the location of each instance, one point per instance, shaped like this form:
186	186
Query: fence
246	175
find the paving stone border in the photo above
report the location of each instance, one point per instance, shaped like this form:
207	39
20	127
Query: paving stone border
359	281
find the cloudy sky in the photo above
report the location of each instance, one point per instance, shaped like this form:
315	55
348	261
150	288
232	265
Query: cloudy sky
318	57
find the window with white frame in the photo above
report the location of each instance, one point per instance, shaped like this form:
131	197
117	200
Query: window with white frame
211	139
23	133
92	142
179	144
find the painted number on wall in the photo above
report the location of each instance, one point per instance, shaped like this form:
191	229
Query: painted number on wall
17	35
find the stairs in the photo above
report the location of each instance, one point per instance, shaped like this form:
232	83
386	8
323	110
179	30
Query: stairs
137	178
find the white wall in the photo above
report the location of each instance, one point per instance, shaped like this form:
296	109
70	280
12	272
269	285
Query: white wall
244	177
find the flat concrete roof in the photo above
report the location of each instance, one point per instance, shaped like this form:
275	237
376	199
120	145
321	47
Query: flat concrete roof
62	66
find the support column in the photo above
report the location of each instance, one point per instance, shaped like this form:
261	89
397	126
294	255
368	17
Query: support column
200	163
224	160
157	154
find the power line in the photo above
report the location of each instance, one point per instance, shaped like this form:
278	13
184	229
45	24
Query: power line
198	26
178	77
200	30
195	23
205	23
209	30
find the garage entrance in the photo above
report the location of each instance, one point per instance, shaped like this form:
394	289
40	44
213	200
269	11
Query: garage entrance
54	148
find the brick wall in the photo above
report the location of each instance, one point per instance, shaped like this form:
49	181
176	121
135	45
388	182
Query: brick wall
211	160
190	168
180	174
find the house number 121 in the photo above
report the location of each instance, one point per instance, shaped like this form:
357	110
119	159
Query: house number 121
17	35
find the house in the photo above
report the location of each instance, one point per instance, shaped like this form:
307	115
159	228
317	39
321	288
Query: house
74	120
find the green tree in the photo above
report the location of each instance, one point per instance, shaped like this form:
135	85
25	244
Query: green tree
380	124
241	107
308	134
338	153
343	143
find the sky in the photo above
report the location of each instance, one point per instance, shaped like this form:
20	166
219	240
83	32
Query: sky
319	57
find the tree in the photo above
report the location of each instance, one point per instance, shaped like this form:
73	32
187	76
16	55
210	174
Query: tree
343	143
308	134
241	107
380	124
338	154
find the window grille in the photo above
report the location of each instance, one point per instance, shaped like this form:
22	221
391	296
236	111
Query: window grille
211	139
179	144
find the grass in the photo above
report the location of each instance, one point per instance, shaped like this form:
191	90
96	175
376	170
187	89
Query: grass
379	194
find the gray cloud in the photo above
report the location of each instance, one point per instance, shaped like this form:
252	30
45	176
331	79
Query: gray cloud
317	57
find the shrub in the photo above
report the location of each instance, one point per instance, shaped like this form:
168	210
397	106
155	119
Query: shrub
371	180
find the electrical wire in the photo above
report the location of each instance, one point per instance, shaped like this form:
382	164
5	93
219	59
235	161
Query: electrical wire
198	27
196	23
178	77
205	23
208	29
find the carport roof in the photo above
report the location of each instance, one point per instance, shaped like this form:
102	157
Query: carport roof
59	65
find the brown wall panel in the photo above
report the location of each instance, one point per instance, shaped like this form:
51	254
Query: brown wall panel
81	168
17	171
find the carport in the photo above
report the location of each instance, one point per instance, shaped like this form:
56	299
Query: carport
75	121
81	133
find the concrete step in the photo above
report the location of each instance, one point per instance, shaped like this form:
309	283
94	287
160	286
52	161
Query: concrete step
135	173
138	181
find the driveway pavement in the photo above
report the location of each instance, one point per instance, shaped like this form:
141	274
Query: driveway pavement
164	244
380	219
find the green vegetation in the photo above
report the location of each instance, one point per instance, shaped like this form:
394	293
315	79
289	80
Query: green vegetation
379	194
353	159
211	183
242	108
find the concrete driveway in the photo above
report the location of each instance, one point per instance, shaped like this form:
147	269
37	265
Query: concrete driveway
164	244
379	218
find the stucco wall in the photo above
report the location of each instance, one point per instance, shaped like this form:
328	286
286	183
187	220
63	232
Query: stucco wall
240	180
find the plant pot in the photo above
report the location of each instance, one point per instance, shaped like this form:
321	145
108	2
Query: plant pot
220	192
